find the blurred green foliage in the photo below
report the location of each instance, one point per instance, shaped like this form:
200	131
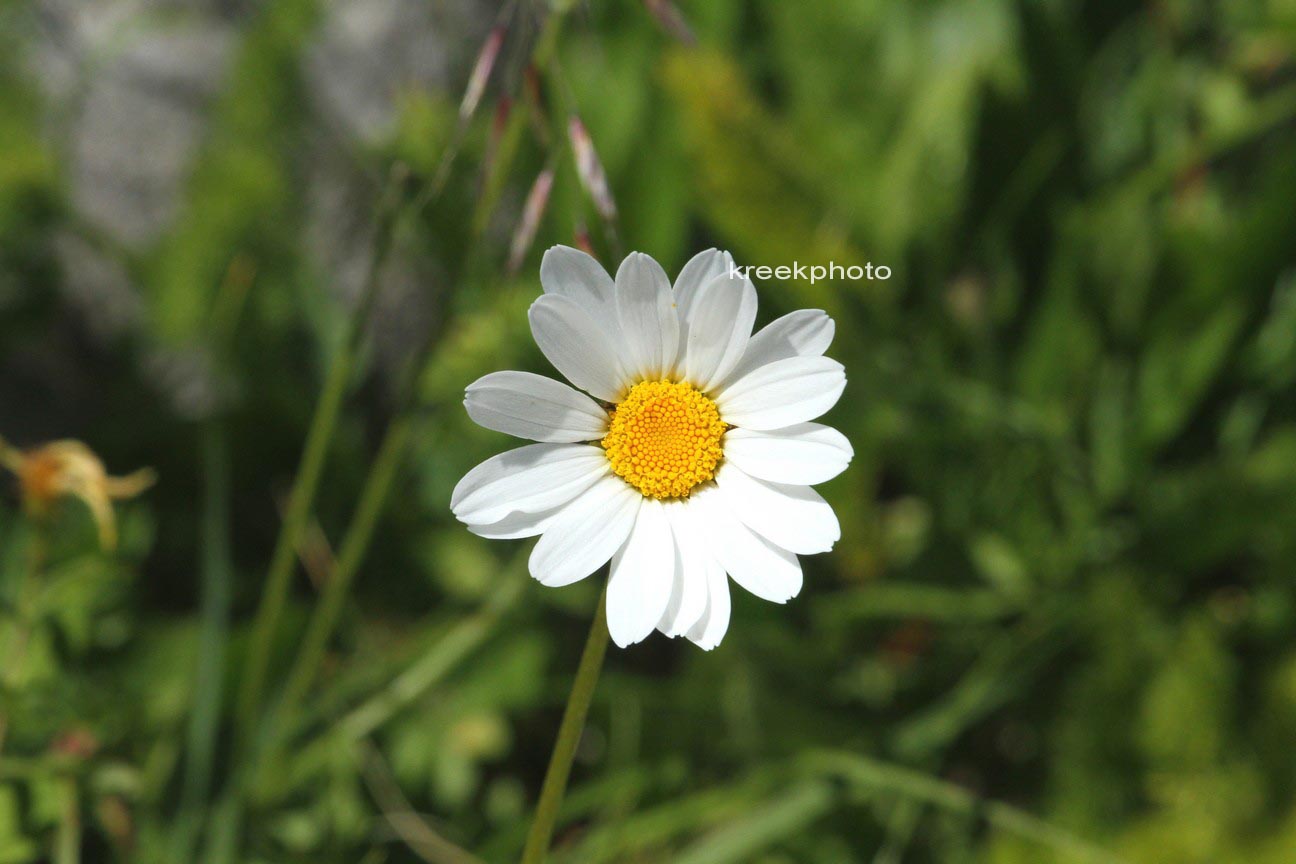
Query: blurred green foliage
1058	626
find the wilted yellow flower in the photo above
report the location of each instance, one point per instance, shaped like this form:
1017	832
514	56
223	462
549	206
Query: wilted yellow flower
69	468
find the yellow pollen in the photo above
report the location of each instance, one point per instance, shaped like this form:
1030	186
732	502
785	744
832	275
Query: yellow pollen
664	438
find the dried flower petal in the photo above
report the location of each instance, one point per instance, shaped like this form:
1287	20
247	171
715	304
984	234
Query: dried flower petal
71	469
533	95
583	241
590	169
536	201
503	108
481	72
671	20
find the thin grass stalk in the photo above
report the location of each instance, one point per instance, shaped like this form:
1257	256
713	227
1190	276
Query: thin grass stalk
871	775
355	545
391	451
414	830
11	673
213	637
68	840
225	823
437	663
216	575
493	183
435	666
311	469
789	813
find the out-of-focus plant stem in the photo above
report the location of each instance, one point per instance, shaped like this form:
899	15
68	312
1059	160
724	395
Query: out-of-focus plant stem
787	814
870	775
223	835
311	467
1271	110
409	825
216	573
441	659
68	843
569	735
11	673
545	46
373	497
217	578
382	472
645	832
355	545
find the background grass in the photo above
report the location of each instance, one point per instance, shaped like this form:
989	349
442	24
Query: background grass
1058	626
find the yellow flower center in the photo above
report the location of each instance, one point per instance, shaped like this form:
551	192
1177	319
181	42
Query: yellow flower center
664	438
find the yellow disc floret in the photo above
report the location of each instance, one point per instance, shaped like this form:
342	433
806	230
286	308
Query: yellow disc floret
664	438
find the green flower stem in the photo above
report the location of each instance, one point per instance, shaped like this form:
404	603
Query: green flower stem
569	734
310	470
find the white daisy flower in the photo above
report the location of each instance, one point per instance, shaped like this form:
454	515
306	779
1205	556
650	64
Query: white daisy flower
694	458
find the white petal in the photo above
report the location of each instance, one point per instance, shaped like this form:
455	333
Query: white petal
573	274
804	333
717	329
713	624
516	525
532	406
793	517
577	346
640	584
649	323
701	269
802	455
586	533
676	597
529	479
782	393
689	592
753	562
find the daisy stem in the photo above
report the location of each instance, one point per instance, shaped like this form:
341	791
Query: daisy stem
569	734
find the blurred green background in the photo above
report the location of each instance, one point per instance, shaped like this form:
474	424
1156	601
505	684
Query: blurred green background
1058	626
